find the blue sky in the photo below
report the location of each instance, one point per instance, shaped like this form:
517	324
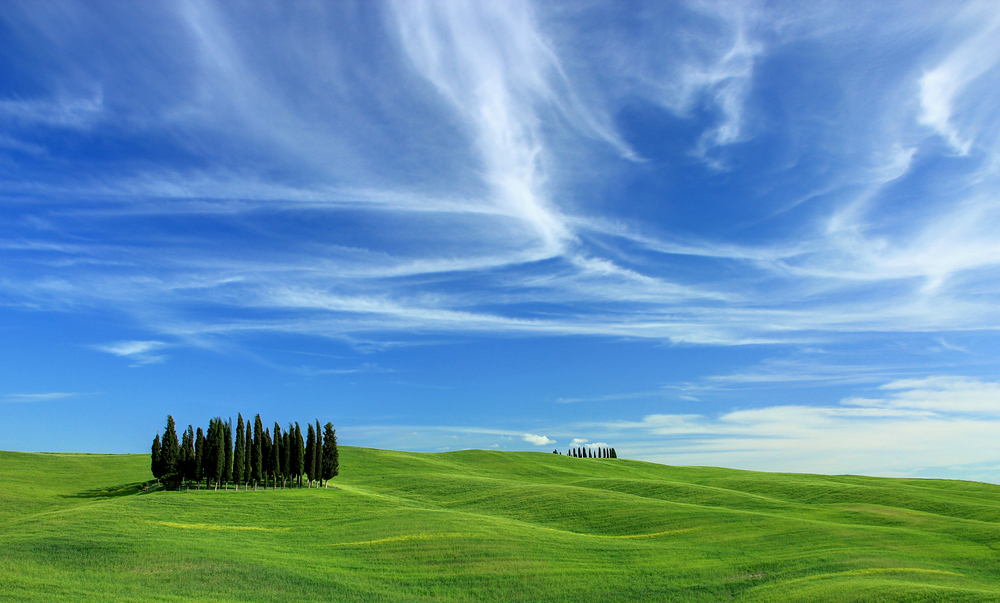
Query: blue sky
753	235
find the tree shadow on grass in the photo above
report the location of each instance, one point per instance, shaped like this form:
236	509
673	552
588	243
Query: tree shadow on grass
117	491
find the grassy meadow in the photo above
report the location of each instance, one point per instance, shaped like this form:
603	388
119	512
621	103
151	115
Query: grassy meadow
493	526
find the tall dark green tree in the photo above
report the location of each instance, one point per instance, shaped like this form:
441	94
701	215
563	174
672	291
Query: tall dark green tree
614	454
256	461
331	457
155	464
265	456
276	454
170	449
239	452
199	456
189	456
310	461
318	468
298	465
227	442
286	453
218	452
248	456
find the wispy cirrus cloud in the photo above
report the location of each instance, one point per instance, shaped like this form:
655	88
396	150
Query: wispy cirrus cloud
138	352
38	397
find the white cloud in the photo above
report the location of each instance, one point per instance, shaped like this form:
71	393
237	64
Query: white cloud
537	440
137	351
937	426
942	86
28	398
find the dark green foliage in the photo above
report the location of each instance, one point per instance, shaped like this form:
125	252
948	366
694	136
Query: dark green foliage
155	465
227	440
310	460
331	456
318	455
199	455
276	454
265	456
614	454
256	462
247	453
300	453
286	453
239	453
189	454
218	444
169	448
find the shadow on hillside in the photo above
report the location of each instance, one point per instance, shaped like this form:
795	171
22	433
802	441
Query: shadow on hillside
115	491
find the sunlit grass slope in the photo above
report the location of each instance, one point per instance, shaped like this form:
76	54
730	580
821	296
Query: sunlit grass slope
494	526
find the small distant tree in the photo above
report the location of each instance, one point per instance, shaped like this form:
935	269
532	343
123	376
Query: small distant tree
239	452
614	454
256	462
331	456
155	464
170	449
227	442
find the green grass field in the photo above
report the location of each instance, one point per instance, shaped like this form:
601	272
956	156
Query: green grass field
493	526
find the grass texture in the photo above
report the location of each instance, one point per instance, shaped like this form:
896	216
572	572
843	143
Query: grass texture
493	526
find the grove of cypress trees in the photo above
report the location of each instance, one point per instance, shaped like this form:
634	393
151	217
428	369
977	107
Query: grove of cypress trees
256	462
247	456
169	449
156	465
331	457
227	441
239	452
310	461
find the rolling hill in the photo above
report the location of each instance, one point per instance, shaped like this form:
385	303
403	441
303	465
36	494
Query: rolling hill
493	526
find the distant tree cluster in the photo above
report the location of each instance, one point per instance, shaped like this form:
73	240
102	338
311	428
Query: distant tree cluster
258	456
591	453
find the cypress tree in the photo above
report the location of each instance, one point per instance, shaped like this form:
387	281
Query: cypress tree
218	453
256	462
265	456
310	461
318	468
276	454
614	454
199	456
189	456
227	441
300	453
208	460
239	452
169	449
331	457
286	453
247	456
155	465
